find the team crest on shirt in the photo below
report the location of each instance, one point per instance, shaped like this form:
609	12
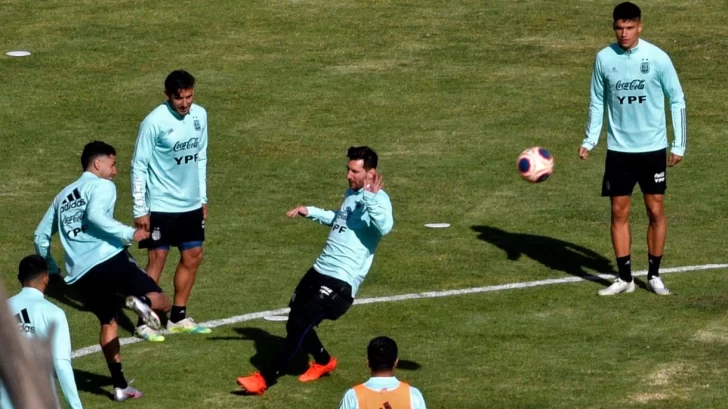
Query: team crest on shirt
156	235
196	122
645	67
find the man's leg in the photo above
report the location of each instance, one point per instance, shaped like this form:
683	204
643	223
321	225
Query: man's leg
191	256
156	258
622	243
656	234
109	341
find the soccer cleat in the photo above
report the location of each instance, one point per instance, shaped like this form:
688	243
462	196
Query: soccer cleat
656	285
144	311
316	371
618	287
148	334
129	392
254	383
187	325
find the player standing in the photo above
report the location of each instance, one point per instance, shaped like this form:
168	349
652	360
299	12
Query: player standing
633	77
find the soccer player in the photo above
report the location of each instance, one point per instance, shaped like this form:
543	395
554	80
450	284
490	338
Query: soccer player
35	317
383	389
97	262
633	77
329	287
168	178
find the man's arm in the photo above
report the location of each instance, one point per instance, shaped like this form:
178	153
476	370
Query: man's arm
140	167
596	108
379	208
416	399
672	89
42	239
61	344
202	165
349	401
102	197
321	216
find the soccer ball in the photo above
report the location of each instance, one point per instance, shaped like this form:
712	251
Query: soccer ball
535	164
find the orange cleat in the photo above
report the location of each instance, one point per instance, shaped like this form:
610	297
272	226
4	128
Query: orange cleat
254	383
316	371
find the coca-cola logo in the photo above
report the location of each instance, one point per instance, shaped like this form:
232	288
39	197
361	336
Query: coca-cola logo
192	143
630	85
74	218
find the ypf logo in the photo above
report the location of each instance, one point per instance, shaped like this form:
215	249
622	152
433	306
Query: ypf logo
659	177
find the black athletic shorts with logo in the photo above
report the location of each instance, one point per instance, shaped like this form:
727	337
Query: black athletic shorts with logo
318	297
624	169
184	230
101	285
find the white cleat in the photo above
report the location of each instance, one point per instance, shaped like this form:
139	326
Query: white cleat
656	285
144	311
129	392
619	286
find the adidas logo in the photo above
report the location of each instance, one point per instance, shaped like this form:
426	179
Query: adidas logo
72	201
24	321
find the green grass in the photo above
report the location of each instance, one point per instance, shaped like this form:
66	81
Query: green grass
448	93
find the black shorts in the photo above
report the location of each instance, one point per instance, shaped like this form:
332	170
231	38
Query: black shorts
320	296
120	274
623	170
184	230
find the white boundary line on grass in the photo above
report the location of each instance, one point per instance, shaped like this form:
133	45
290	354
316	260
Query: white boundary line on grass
429	294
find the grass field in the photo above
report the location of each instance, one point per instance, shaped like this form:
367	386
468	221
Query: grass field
448	93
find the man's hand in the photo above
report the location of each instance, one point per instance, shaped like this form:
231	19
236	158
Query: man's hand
204	211
673	160
583	153
298	211
142	222
140	234
375	184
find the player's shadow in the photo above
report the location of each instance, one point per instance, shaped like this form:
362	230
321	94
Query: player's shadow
552	253
93	383
266	348
63	293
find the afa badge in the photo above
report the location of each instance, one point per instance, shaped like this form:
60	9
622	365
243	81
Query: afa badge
197	125
645	67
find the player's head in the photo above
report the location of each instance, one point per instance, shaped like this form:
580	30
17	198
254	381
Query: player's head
33	272
361	167
99	158
179	88
382	355
627	24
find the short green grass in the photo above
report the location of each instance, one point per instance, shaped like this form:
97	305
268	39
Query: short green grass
448	93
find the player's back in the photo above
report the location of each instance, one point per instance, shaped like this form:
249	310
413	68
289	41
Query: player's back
86	244
35	315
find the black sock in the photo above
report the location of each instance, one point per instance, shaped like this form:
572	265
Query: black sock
625	268
654	266
140	322
179	312
117	375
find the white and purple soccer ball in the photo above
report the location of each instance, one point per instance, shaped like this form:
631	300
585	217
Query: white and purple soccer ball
535	164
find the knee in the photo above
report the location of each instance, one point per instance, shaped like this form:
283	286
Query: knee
192	258
656	214
157	258
620	214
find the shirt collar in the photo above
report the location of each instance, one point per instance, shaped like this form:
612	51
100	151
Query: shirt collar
172	111
31	292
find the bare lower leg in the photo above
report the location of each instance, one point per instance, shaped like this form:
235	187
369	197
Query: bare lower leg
155	263
109	340
184	277
657	230
621	240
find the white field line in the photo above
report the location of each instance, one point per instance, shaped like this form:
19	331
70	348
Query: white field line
429	294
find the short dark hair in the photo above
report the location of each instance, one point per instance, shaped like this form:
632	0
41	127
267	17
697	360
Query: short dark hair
365	153
31	267
93	150
626	11
382	353
178	80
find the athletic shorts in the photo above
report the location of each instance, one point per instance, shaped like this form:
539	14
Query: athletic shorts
623	170
319	295
184	230
101	285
